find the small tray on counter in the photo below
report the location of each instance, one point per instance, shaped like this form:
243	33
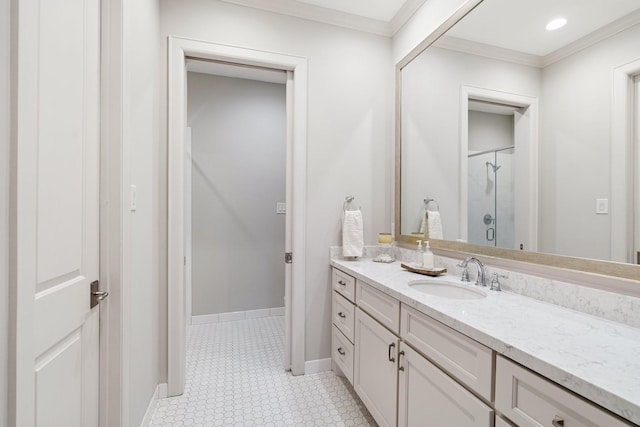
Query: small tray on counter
436	271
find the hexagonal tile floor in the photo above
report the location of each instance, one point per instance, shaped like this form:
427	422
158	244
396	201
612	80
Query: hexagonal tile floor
235	377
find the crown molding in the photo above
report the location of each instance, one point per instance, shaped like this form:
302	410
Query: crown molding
404	14
590	39
488	51
335	17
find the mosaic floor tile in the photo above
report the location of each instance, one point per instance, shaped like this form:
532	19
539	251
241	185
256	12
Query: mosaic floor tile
235	377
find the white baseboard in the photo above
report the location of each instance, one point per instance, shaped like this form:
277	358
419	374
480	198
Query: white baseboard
317	366
160	393
236	315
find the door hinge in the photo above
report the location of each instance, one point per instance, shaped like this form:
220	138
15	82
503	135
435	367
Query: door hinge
288	257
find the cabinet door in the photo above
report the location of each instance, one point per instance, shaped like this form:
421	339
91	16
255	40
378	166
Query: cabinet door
375	376
429	397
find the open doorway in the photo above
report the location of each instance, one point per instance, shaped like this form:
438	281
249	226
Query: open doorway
180	50
235	192
499	143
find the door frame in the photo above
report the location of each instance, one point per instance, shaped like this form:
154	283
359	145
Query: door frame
179	50
530	103
623	156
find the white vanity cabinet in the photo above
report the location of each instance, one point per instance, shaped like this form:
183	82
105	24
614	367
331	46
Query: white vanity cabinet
530	400
429	397
411	370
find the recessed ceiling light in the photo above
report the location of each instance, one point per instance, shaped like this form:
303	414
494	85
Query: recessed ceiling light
556	23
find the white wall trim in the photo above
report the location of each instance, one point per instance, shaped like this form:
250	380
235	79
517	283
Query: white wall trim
202	319
114	360
622	162
159	393
317	366
516	100
179	50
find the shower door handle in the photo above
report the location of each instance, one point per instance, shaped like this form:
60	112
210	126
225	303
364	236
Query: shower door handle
492	234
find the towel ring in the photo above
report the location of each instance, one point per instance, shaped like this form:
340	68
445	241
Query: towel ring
427	201
347	202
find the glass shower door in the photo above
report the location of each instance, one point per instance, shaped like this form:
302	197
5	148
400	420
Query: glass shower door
491	199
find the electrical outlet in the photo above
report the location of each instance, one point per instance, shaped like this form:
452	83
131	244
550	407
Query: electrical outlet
602	206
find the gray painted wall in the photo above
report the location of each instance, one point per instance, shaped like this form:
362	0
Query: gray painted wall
238	175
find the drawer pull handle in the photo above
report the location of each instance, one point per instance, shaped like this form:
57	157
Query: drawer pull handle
400	367
341	351
341	283
558	422
341	314
391	358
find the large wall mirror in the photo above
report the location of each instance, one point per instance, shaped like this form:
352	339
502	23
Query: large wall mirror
523	138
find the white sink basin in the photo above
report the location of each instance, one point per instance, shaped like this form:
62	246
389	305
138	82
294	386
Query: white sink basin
444	289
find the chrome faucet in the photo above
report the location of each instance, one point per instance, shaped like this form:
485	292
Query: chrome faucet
480	278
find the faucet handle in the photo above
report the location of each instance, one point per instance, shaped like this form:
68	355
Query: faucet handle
495	282
465	273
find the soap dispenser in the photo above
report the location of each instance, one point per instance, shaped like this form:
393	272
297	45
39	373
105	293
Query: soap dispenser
419	254
427	260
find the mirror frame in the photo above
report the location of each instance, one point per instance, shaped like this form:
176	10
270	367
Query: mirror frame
446	247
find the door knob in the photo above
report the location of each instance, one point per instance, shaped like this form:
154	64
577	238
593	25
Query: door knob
96	295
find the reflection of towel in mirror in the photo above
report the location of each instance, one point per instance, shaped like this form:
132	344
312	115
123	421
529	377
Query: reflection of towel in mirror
434	225
352	234
423	223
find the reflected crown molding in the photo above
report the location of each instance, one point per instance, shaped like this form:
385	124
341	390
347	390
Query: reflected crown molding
514	56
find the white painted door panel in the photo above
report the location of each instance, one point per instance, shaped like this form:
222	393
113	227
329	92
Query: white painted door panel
56	212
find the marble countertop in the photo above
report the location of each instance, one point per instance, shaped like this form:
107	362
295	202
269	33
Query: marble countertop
593	357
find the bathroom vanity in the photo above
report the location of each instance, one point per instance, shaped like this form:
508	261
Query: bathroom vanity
482	358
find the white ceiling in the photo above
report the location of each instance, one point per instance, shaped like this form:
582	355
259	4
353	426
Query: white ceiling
520	24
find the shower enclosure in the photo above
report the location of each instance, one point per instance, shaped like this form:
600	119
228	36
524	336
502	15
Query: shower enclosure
491	202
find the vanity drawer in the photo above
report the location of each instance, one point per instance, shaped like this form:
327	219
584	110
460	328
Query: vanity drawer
344	315
379	305
530	400
344	284
342	353
465	359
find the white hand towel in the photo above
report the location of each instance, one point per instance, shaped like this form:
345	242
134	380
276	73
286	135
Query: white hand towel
434	225
352	234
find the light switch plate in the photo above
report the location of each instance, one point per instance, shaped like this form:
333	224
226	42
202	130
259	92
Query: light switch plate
602	206
281	208
133	199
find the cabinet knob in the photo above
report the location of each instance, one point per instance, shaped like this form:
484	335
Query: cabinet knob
341	314
391	358
341	351
340	282
557	422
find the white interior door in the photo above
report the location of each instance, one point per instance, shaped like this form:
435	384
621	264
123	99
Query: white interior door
636	168
55	213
